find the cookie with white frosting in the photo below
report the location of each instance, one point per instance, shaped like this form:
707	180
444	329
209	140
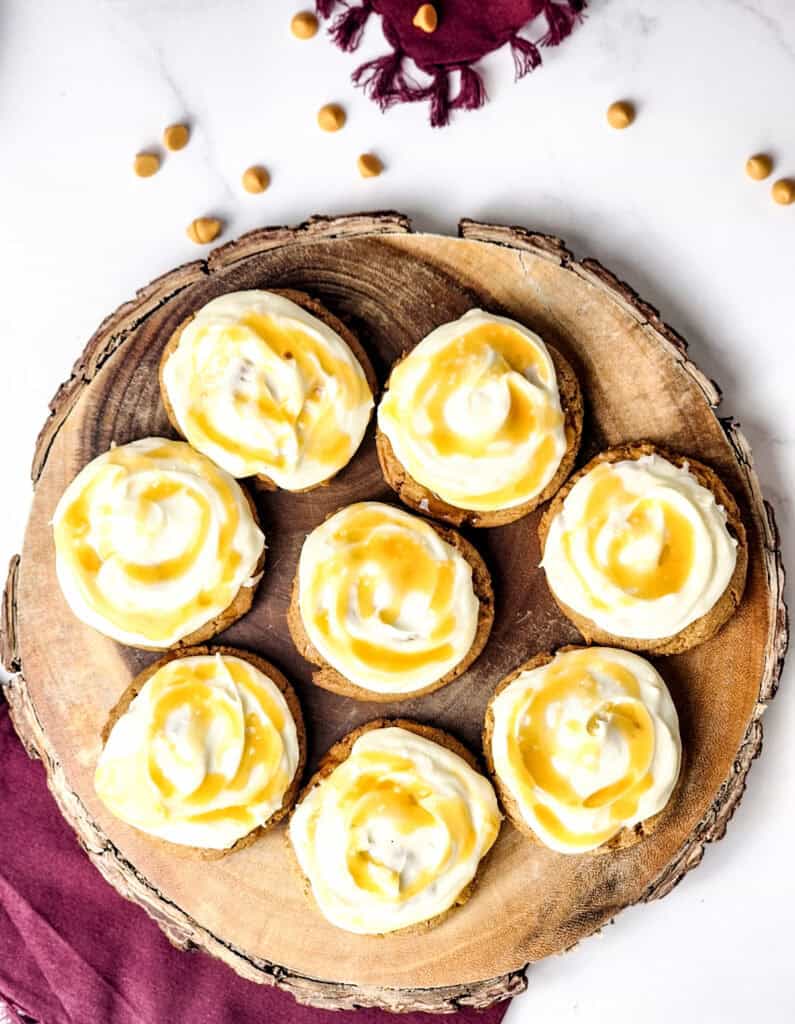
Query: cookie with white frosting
480	423
269	384
390	832
584	748
645	549
156	546
204	750
388	605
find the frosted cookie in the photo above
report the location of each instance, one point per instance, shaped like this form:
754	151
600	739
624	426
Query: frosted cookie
645	549
391	830
480	422
269	384
155	546
388	605
584	748
204	750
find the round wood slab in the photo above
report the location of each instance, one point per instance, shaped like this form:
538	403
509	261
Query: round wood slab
393	287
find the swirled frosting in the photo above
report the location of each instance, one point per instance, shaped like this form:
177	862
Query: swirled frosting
473	413
203	755
261	386
395	833
639	547
586	746
152	541
384	599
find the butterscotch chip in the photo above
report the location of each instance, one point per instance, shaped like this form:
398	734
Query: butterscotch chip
426	19
304	25
146	164
620	114
255	179
758	166
176	136
369	165
331	117
203	230
783	191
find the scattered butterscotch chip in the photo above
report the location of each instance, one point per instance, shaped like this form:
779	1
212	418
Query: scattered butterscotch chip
256	179
758	166
146	164
620	114
331	117
426	18
304	25
783	191
176	136
203	230
369	165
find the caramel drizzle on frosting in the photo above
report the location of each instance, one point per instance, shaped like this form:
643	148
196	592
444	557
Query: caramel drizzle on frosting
557	734
263	393
394	833
209	751
477	457
650	525
381	785
640	547
383	595
138	489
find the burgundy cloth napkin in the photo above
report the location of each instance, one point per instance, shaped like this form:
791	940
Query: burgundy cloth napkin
467	30
72	951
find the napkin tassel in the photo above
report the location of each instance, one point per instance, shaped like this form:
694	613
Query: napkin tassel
561	19
439	94
525	54
471	91
385	80
347	30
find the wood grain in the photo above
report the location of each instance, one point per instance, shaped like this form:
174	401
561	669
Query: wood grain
392	287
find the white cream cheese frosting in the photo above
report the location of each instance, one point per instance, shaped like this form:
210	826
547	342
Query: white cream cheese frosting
473	413
152	541
203	755
395	833
640	548
385	599
586	745
261	386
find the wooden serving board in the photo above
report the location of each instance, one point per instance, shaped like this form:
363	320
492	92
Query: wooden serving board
393	287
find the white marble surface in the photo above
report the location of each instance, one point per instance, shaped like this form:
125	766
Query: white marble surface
85	83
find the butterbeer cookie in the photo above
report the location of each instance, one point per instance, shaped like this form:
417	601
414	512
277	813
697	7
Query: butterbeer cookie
584	748
269	384
204	750
480	422
157	547
390	831
645	549
388	605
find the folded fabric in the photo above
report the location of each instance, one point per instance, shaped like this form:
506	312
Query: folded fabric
467	30
72	951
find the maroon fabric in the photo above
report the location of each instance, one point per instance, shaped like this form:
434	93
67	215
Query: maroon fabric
467	31
72	951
